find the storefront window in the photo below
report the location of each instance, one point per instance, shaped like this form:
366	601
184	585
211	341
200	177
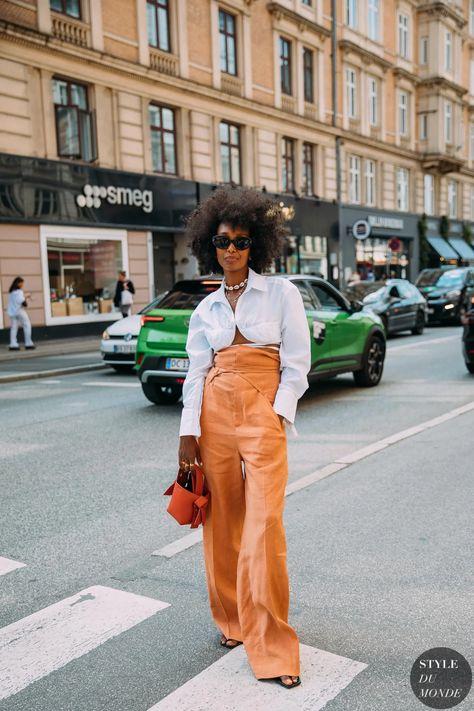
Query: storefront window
82	275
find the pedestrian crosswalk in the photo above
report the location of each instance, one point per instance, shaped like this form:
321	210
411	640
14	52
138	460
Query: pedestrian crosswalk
7	565
47	640
229	684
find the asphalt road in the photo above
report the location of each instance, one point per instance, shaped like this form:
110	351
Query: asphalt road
379	552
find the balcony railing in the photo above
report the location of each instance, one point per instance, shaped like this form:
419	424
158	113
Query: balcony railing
164	62
68	30
231	85
288	104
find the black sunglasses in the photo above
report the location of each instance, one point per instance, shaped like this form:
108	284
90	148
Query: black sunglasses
240	243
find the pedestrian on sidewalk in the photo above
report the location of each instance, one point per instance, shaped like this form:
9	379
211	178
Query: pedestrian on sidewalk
248	366
124	291
16	310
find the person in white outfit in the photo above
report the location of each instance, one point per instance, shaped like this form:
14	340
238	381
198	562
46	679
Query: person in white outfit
16	310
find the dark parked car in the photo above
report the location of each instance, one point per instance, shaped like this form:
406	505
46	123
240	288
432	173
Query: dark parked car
398	303
468	336
447	293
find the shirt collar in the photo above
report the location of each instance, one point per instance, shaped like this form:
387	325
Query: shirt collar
255	281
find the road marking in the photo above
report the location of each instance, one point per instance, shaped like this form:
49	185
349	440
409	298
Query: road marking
180	544
191	539
48	639
230	684
111	385
423	343
7	565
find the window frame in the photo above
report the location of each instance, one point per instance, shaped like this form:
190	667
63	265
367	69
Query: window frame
351	14
230	146
373	20
87	112
424	50
308	168
351	93
288	159
370	182
308	81
162	130
452	199
428	191
373	97
448	51
157	5
354	196
233	36
448	122
403	35
423	126
64	11
403	189
403	119
286	65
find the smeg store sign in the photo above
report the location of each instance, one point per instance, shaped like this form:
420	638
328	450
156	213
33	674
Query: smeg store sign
45	191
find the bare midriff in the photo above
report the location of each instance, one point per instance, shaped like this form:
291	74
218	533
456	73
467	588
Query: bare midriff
239	339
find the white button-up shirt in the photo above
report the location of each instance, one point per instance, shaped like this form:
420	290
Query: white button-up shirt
270	310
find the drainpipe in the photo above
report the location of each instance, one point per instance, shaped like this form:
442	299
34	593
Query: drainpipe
338	138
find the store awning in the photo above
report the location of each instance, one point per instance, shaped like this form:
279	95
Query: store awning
442	247
462	247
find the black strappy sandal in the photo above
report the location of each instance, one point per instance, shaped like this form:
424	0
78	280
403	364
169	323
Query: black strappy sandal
225	639
288	686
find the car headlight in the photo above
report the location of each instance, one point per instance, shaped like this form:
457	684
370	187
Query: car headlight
453	294
105	335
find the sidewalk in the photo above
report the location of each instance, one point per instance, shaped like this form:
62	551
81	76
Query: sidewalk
52	357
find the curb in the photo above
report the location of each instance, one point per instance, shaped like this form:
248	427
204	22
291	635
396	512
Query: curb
49	373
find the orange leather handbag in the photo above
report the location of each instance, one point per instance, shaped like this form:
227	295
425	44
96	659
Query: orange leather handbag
189	497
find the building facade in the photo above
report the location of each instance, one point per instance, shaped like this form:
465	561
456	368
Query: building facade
118	116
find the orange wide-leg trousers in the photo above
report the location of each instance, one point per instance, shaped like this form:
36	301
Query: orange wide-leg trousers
244	453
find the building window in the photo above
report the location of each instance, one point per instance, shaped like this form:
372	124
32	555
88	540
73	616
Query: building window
307	2
373	19
308	169
472	76
402	189
285	66
351	89
471	135
403	112
75	123
424	50
308	75
67	7
82	272
452	199
158	24
351	13
448	122
471	17
354	179
472	203
428	194
448	51
228	42
229	135
373	102
288	164
403	43
370	182
163	139
423	127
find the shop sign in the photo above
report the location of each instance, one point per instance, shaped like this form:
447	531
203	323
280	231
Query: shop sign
115	195
389	223
361	229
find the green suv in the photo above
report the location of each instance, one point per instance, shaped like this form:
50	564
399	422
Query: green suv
344	338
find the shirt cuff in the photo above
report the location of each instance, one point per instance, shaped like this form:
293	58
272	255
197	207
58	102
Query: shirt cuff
190	424
285	404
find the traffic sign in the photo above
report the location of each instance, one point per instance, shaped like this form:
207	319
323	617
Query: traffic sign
395	244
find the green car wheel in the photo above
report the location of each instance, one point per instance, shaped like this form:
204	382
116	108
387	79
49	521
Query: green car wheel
372	369
161	394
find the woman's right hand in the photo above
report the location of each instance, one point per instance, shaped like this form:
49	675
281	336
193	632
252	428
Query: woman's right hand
188	452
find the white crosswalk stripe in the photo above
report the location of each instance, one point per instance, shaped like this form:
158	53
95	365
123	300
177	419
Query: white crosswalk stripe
7	565
48	639
230	685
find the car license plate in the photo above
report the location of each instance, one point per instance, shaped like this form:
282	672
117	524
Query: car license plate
430	311
125	348
177	364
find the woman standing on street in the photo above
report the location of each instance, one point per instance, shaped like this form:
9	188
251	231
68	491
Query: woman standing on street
249	355
17	303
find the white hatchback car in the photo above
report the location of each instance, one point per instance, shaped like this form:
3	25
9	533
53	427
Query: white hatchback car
119	340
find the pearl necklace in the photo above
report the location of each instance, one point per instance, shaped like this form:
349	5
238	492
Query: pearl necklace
236	286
